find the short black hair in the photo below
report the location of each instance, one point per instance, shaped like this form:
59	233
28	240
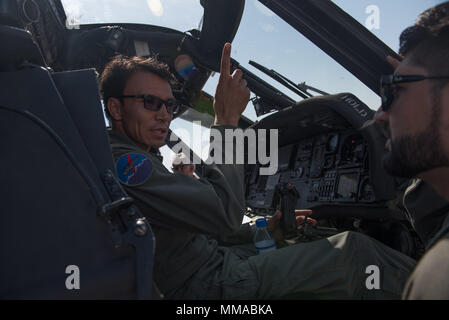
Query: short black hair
118	71
434	18
426	44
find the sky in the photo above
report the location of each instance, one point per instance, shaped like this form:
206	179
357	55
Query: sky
265	38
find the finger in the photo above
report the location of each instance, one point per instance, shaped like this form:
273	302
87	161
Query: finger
304	212
393	61
300	220
277	215
225	68
243	84
237	75
274	218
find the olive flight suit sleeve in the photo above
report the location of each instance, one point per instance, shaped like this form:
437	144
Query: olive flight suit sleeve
243	235
429	280
212	205
429	214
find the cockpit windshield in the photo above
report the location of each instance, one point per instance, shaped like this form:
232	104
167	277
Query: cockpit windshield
181	15
265	38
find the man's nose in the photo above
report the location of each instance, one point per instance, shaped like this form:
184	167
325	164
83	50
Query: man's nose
381	116
163	115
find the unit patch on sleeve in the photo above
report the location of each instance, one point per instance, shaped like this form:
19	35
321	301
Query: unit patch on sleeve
133	169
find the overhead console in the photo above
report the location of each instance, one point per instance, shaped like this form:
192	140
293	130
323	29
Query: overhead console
330	153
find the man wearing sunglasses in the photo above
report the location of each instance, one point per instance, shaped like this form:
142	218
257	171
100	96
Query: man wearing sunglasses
185	212
415	106
140	106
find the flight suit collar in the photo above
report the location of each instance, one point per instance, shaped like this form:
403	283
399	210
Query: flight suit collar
443	231
118	137
428	211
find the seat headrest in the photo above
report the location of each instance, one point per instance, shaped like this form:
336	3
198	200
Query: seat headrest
9	14
21	48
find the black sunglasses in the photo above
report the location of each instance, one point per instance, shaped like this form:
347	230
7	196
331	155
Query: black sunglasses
154	103
388	82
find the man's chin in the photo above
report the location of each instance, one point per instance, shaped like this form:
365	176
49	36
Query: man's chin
400	167
393	168
156	143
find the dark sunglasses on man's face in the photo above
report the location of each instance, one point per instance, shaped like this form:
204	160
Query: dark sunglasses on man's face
388	86
154	103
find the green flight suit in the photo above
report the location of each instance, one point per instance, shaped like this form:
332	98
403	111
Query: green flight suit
189	264
429	214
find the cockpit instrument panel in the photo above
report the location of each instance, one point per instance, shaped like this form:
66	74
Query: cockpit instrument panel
332	160
327	168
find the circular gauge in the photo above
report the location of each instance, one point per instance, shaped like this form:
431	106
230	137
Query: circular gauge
332	143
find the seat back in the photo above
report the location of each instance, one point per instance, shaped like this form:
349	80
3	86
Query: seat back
67	229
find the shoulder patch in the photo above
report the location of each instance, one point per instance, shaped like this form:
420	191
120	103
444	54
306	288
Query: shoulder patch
133	169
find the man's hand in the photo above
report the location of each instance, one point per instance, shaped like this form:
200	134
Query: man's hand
232	94
393	61
301	217
273	224
274	227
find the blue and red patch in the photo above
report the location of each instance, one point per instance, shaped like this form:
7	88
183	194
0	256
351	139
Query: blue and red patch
133	169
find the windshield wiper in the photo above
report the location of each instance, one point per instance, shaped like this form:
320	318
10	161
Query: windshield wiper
299	89
268	98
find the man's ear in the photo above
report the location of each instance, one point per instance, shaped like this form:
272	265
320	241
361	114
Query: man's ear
115	108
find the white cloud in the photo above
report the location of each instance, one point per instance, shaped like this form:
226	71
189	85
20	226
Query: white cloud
262	9
267	27
156	7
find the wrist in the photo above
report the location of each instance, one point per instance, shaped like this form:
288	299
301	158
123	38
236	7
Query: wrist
224	121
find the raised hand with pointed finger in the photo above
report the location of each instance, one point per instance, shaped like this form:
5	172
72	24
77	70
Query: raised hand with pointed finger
232	94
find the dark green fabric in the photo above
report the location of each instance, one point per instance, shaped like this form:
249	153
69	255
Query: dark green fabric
244	235
186	215
332	268
182	211
429	212
430	278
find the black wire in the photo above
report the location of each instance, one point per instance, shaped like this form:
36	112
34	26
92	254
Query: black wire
93	188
